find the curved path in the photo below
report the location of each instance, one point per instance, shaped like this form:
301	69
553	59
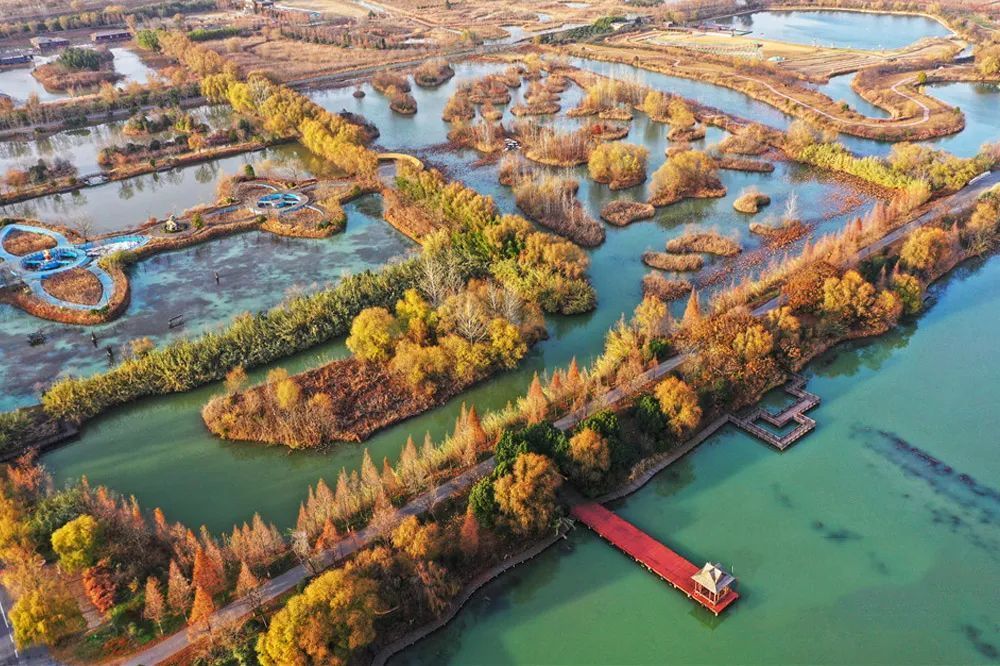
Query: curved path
862	123
274	588
843	121
34	279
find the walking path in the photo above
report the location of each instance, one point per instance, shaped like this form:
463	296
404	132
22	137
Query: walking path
288	580
85	255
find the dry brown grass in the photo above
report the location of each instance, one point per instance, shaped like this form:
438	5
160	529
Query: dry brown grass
289	60
654	284
25	242
552	202
675	263
743	164
751	200
76	285
708	242
622	212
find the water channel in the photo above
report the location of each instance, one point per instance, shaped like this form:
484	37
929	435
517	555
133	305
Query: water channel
155	473
849	547
860	545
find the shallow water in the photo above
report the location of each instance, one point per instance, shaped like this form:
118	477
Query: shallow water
124	204
82	146
163	475
851	547
979	102
20	84
839	89
256	271
849	30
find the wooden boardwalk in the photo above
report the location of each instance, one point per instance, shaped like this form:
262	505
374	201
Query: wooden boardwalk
648	552
794	412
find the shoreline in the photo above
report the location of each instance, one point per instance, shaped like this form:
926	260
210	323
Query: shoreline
821	8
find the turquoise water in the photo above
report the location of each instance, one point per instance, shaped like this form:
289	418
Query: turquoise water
854	30
126	450
871	541
256	271
979	102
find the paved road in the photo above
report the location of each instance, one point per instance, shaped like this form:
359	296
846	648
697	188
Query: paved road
275	587
361	539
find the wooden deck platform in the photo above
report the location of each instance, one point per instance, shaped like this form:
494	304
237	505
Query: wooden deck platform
794	412
648	552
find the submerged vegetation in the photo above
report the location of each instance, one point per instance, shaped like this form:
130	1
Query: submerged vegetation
468	306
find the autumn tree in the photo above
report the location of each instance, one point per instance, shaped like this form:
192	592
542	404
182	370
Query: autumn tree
100	588
855	302
686	173
372	335
207	575
692	311
468	536
535	403
925	249
909	291
327	623
679	404
591	454
527	496
680	115
155	609
420	542
45	615
618	164
76	543
202	608
803	291
178	590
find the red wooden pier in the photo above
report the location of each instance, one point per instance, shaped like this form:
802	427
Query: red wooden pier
649	552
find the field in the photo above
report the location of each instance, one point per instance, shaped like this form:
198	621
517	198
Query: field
811	61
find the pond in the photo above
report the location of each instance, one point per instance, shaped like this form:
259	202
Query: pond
848	547
126	203
256	271
82	146
838	29
20	84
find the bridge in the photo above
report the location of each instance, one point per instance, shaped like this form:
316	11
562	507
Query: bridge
656	557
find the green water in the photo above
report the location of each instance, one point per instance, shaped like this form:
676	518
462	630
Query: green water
850	548
160	451
256	271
